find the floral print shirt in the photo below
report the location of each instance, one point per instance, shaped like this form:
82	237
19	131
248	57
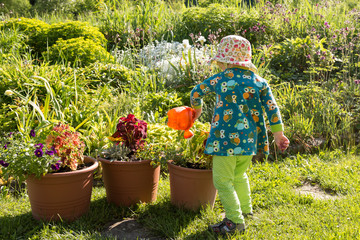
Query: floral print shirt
238	124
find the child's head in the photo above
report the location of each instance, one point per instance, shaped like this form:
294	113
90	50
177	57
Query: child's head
234	51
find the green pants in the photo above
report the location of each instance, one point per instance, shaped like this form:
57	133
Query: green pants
232	183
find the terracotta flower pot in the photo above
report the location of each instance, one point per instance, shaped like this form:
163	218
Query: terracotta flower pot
191	188
128	183
63	195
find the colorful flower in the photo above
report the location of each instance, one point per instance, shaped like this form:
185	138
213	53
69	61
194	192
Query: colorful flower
39	146
50	153
32	133
3	163
38	152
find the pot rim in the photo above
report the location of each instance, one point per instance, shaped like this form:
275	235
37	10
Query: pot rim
107	161
172	164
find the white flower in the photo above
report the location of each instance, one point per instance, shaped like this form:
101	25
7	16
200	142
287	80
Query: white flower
9	92
201	39
186	44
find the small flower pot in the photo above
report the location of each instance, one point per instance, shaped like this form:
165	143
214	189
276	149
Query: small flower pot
62	196
129	183
191	188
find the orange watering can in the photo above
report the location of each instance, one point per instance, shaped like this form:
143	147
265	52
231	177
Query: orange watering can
182	118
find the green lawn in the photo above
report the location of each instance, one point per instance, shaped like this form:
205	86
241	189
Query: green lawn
281	212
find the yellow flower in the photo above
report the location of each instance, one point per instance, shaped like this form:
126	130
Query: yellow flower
119	139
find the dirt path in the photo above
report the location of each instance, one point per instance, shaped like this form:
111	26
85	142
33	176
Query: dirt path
129	229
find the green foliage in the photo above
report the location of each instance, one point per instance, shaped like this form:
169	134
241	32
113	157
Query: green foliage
74	29
35	31
160	102
77	51
258	28
74	7
294	57
21	156
133	24
12	43
201	20
315	117
190	152
117	76
20	7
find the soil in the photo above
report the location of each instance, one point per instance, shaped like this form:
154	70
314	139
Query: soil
316	191
129	229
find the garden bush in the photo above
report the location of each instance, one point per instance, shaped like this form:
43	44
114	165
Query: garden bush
315	116
259	29
77	51
34	29
161	102
197	20
74	7
298	59
74	29
20	7
117	76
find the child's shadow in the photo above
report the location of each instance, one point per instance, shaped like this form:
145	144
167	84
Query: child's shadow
169	221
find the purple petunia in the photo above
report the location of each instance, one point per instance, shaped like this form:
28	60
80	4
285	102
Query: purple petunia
53	149
39	146
56	166
3	163
32	133
38	152
5	146
48	152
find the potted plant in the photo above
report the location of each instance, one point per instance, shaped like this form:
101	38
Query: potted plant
58	176
130	171
191	184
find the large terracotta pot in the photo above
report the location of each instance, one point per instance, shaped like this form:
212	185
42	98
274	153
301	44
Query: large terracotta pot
128	183
191	188
63	195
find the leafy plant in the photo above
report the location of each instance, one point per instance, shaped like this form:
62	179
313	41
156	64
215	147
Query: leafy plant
67	145
74	29
115	75
35	31
160	102
130	134
294	57
190	152
77	50
201	20
38	153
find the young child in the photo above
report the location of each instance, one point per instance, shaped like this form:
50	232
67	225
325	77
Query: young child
238	129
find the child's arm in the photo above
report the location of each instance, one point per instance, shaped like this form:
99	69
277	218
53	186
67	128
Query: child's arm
273	112
198	92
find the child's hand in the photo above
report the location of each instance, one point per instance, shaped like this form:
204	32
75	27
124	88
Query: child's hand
281	141
197	113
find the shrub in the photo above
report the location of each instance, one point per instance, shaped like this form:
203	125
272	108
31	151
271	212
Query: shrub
255	27
15	6
66	6
34	29
292	57
116	75
74	29
161	102
77	50
214	17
